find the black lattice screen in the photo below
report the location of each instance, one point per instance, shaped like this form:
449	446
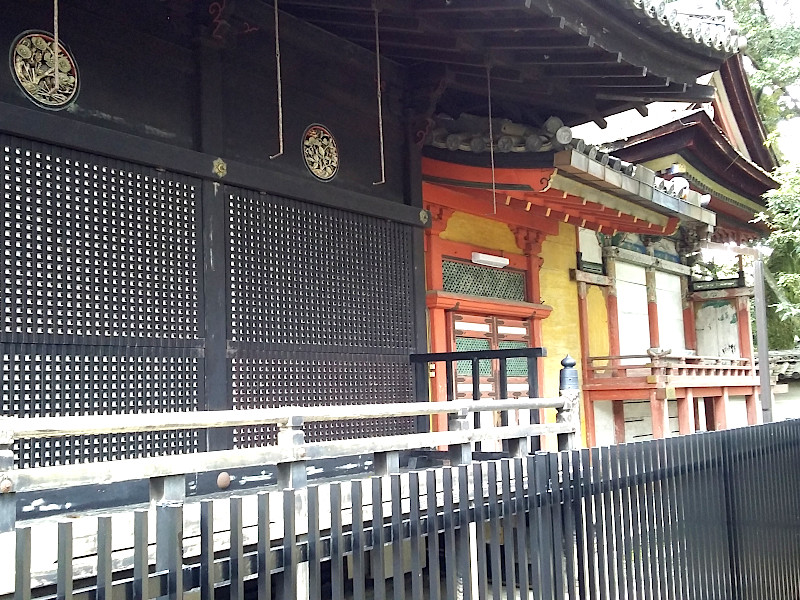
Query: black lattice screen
101	310
333	288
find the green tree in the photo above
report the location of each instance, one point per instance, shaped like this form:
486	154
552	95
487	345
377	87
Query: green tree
783	289
773	46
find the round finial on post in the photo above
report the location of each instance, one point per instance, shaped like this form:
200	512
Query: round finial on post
568	377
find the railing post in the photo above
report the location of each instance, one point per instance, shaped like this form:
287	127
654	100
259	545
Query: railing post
168	489
460	454
386	463
8	497
569	390
292	475
293	480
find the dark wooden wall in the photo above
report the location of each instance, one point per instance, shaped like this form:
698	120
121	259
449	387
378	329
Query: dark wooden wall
174	72
298	290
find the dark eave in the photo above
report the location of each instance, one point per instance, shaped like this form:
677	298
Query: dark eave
698	136
744	107
579	59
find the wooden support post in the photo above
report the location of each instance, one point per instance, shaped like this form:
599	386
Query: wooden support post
689	322
686	413
652	307
709	405
721	410
386	463
618	409
438	381
754	412
583	324
168	489
292	475
658	411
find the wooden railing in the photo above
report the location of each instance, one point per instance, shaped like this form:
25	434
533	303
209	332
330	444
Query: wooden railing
644	365
291	454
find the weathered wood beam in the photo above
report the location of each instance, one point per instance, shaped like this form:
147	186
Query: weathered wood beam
635	82
471	6
539	44
568	58
508	24
357	20
591	72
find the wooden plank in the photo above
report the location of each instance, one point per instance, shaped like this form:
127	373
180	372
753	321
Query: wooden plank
126	470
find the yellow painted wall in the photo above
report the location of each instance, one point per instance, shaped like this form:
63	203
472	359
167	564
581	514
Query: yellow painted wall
598	321
470	229
560	331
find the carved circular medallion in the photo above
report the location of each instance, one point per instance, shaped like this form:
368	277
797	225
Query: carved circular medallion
33	67
320	152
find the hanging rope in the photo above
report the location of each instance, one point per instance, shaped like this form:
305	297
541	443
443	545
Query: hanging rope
380	97
491	136
55	44
280	83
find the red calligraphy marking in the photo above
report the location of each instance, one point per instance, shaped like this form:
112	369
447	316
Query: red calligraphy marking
249	28
216	9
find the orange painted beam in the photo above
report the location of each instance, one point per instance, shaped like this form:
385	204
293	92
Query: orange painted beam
721	410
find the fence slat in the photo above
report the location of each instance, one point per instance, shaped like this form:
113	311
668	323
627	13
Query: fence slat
236	549
358	544
508	529
449	524
337	543
464	583
104	565
558	534
264	550
169	546
314	545
378	556
480	530
398	570
207	550
520	504
141	560
494	514
64	571
22	565
415	533
290	554
434	581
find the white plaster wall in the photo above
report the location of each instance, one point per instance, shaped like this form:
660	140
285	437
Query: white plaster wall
787	405
589	246
639	420
737	412
670	312
717	329
604	422
634	328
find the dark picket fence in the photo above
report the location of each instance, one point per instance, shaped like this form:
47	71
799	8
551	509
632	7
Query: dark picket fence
706	516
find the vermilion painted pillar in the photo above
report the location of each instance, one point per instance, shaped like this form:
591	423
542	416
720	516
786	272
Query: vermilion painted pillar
686	413
652	307
752	401
583	326
612	311
721	411
658	411
689	323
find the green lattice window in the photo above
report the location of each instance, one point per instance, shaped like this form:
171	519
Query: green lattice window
464	367
516	367
474	280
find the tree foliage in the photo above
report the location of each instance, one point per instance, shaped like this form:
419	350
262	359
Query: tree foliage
783	291
773	45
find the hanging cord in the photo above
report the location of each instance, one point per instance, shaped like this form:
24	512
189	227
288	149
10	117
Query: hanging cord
55	45
280	83
491	136
380	97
